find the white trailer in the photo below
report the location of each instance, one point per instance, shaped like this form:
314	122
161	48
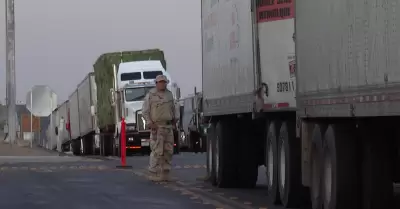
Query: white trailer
51	134
87	96
235	150
62	119
54	136
82	118
74	123
305	126
348	89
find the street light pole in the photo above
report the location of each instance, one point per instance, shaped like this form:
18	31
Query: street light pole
10	57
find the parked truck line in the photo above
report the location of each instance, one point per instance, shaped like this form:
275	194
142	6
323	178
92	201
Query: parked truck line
321	120
102	98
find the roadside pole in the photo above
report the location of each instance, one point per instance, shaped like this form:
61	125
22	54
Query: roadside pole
32	135
10	65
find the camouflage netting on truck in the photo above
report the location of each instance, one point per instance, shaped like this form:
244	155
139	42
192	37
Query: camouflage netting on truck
103	72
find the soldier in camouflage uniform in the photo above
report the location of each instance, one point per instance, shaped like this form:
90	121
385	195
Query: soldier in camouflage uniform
159	114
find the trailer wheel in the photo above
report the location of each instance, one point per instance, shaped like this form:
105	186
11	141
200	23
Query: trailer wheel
87	142
225	154
194	141
271	161
316	166
247	152
211	154
289	156
176	142
203	142
76	147
340	176
377	173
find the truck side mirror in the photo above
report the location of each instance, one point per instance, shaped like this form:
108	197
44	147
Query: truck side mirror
178	93
112	95
93	110
5	128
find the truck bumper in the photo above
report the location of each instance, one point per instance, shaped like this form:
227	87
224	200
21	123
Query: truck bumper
138	142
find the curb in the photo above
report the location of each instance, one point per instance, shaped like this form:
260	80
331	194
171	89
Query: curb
206	178
54	151
96	157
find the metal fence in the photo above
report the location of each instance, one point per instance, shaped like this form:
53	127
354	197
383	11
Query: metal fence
24	133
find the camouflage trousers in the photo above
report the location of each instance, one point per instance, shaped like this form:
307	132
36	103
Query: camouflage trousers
162	150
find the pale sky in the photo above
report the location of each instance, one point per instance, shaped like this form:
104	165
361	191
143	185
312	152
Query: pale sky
57	41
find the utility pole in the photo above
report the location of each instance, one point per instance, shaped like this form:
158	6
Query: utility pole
10	58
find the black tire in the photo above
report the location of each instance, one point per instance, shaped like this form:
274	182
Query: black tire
118	148
247	151
88	143
203	144
195	141
227	154
340	153
316	166
289	151
76	147
272	164
377	173
210	154
176	141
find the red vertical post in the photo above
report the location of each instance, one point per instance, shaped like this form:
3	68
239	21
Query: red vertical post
123	142
123	145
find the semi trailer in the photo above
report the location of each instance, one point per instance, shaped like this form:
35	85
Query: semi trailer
313	97
83	123
58	135
192	138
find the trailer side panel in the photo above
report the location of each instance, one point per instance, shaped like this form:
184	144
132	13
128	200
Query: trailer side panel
277	53
85	102
63	113
228	70
74	115
347	58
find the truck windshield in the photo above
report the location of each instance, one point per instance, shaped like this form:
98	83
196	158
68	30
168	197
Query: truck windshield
151	74
131	76
136	94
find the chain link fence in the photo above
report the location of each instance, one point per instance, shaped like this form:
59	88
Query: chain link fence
24	131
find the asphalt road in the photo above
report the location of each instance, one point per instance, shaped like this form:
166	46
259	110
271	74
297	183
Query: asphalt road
35	178
188	167
85	184
46	180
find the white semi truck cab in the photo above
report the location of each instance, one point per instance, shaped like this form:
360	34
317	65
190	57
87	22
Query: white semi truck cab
133	81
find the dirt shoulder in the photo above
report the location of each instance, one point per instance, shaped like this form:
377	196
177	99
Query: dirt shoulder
22	149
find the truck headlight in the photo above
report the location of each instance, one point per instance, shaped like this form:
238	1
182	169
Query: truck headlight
183	137
143	122
140	121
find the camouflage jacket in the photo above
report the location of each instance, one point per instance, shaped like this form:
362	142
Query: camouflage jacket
159	107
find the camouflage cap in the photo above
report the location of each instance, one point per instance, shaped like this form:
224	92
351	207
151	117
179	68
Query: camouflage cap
161	78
